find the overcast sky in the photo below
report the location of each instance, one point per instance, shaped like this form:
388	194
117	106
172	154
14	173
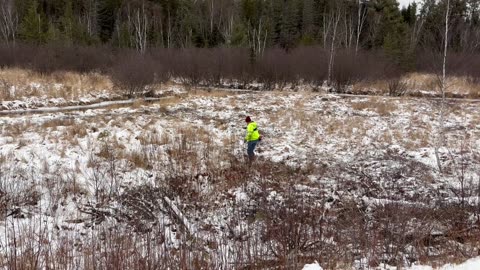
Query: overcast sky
405	2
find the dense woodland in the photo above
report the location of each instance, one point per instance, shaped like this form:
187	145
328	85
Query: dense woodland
410	38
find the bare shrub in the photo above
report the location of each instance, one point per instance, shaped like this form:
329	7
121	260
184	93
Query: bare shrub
310	64
461	64
275	70
351	68
345	72
133	73
187	66
238	69
292	231
7	56
397	87
5	90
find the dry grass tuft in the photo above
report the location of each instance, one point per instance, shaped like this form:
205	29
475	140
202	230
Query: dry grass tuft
77	131
383	107
138	103
58	84
138	159
386	108
422	81
5	88
464	86
378	86
17	130
210	93
153	138
57	122
167	102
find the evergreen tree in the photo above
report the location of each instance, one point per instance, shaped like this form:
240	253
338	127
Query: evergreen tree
67	23
409	14
107	15
53	35
308	28
392	33
31	26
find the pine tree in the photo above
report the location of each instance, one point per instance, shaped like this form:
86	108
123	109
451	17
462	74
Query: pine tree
31	26
107	15
392	36
308	32
52	35
67	23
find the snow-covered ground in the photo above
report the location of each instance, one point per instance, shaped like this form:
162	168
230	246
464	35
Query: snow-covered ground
348	181
473	264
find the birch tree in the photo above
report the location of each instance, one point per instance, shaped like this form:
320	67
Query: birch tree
8	21
90	17
335	19
361	16
443	87
257	37
139	22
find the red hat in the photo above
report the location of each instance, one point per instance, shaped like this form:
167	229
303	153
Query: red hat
248	119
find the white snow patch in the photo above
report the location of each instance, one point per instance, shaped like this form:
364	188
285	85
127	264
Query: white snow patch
313	266
240	196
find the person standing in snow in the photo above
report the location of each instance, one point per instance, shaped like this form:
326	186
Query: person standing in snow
252	138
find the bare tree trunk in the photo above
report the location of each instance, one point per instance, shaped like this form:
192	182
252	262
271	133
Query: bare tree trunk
443	86
169	30
90	17
258	39
211	15
417	30
349	29
227	33
362	15
140	25
8	21
326	30
336	19
161	32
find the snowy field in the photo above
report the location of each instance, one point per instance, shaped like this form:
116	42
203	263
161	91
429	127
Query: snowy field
350	182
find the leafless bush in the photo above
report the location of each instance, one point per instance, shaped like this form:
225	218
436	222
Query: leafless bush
364	66
231	66
133	73
310	64
5	90
292	231
239	71
276	69
187	66
7	56
465	64
397	87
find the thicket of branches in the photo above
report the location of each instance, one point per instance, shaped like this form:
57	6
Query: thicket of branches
132	229
227	67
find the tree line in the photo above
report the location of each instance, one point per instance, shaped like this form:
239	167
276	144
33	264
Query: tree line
256	24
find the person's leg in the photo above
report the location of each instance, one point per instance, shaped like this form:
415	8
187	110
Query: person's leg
251	150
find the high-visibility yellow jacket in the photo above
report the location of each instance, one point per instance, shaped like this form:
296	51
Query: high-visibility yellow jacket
252	132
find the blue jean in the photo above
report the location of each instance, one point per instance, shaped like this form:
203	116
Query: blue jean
251	148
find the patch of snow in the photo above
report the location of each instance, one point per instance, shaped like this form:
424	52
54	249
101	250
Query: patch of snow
313	266
472	264
240	196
